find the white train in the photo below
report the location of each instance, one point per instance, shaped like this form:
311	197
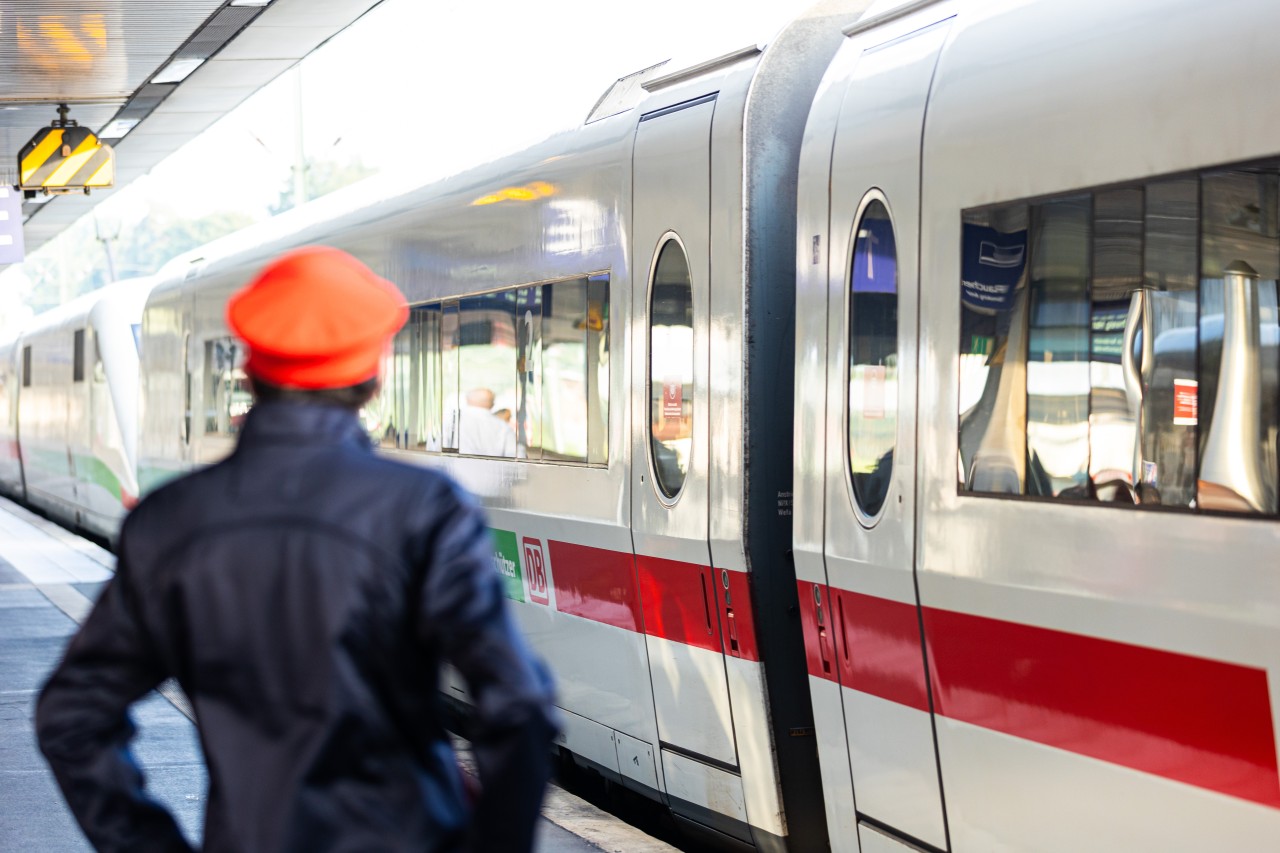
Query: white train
895	415
68	409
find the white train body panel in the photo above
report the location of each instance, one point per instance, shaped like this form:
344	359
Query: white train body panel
77	408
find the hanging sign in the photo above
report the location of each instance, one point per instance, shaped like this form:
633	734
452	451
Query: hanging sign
65	159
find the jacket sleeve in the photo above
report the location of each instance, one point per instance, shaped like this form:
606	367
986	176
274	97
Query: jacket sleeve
84	729
463	612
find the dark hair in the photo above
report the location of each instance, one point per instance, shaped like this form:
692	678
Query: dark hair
348	397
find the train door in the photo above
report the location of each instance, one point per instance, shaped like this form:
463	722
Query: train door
670	505
871	609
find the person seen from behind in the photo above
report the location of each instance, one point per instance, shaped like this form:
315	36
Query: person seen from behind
305	592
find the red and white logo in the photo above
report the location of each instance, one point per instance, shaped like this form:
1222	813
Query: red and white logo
535	571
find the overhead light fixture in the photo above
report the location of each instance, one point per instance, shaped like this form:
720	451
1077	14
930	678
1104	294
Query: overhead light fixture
250	2
118	128
177	71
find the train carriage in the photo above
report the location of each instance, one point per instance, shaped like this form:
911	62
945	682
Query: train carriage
1043	241
76	407
983	292
621	293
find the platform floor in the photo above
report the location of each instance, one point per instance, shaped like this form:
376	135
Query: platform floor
48	580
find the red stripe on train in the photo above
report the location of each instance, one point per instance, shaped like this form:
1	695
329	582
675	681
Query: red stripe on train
1199	721
866	643
1203	722
682	602
679	602
595	584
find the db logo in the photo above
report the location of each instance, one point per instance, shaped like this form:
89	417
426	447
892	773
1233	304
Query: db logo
535	571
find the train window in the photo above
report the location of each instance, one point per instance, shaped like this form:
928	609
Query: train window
873	356
228	396
518	373
1124	346
564	371
486	376
671	358
597	368
26	367
413	380
77	356
527	417
449	341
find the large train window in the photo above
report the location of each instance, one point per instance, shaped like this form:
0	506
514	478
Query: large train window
671	368
228	396
518	373
873	356
1124	345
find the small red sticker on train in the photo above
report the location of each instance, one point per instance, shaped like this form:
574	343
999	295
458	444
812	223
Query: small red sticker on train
672	397
1186	402
535	571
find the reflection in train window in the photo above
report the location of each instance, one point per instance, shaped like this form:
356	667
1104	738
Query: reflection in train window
873	357
486	344
411	395
517	373
228	397
671	368
1124	346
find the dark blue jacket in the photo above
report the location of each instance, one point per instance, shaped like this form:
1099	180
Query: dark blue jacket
304	593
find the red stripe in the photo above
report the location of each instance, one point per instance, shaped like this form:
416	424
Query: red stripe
1199	721
737	616
865	643
601	585
819	645
595	584
679	603
879	648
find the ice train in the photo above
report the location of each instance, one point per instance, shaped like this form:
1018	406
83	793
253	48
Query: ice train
896	413
69	391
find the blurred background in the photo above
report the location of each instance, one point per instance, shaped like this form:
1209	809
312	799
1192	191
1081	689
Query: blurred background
398	93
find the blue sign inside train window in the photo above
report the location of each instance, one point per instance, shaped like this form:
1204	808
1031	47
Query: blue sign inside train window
993	265
875	257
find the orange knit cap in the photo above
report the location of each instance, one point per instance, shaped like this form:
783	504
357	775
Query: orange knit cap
316	318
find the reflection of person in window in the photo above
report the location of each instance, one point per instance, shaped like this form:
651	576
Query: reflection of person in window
480	431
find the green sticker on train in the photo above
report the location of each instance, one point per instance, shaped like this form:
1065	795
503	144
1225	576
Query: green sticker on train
506	557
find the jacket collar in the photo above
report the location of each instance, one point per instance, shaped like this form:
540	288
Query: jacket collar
293	422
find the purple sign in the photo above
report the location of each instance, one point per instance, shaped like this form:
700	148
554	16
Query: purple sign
11	246
875	258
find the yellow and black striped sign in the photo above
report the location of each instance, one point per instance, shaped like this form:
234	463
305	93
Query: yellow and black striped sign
59	159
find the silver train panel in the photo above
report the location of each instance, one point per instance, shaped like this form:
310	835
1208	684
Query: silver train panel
870	452
1084	97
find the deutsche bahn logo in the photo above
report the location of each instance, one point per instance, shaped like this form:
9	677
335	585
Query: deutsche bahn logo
535	571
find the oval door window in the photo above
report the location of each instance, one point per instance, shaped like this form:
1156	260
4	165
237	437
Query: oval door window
671	368
873	357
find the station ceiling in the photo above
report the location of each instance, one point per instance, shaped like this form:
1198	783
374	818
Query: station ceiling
146	76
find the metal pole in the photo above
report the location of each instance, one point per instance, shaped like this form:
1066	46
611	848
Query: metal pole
299	154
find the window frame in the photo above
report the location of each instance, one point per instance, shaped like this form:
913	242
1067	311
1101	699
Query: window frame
667	238
867	520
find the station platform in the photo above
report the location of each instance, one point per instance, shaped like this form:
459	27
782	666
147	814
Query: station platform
49	579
